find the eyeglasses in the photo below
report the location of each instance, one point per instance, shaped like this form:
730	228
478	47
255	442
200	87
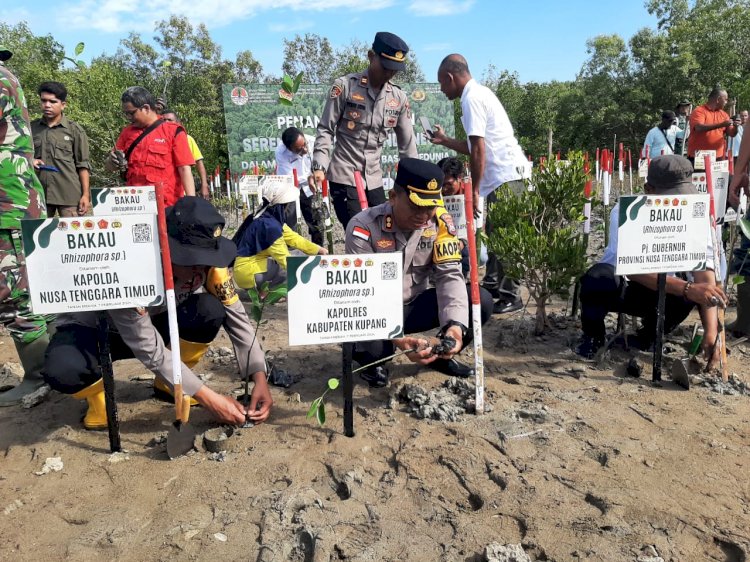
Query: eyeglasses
129	114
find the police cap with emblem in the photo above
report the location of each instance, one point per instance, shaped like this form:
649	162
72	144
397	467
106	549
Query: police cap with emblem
194	228
5	54
392	50
422	181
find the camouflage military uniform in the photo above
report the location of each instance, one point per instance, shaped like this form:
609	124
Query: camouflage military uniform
21	197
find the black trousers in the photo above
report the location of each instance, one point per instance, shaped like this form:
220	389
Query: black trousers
346	202
602	292
495	280
420	315
305	204
71	362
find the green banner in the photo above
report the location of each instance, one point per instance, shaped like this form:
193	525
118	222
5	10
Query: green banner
255	120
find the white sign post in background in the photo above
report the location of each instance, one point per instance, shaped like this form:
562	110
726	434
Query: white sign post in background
662	233
455	205
93	263
345	298
123	200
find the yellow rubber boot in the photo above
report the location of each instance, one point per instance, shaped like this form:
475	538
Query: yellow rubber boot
190	354
96	414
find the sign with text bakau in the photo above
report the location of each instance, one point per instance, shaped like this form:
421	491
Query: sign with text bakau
345	298
662	233
93	263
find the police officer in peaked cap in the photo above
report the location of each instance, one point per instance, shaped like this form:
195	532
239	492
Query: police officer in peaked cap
435	295
362	110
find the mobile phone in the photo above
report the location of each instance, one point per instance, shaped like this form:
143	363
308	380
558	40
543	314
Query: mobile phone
46	168
426	126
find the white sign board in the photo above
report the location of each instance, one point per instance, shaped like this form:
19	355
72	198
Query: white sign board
643	168
123	200
700	158
345	298
720	178
93	263
249	185
662	233
456	206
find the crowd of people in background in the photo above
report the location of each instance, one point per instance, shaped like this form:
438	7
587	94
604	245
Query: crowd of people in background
52	162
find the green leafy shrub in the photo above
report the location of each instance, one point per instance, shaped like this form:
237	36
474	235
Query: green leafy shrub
539	234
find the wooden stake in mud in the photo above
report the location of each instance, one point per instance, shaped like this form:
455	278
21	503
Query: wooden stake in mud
587	190
348	389
630	172
476	304
721	336
180	436
605	167
348	347
328	221
105	364
661	292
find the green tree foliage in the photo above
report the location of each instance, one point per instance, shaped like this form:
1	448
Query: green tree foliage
322	64
539	233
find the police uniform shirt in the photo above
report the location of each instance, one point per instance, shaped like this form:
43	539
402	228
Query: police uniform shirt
431	252
361	118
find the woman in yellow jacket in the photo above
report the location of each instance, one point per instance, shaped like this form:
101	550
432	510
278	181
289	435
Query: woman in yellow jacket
263	241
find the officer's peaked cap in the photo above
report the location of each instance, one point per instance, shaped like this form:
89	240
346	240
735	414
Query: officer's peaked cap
392	50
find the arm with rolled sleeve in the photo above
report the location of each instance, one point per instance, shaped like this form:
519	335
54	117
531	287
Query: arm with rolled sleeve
140	335
323	149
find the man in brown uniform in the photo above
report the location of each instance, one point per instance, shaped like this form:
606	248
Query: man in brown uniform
415	222
62	144
362	110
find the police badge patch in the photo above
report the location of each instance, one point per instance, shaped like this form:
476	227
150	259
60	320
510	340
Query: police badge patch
448	220
335	92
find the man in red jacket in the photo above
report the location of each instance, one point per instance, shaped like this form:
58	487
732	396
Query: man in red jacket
151	150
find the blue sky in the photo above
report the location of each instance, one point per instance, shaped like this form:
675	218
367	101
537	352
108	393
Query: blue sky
543	40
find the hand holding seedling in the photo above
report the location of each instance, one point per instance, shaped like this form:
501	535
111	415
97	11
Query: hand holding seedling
260	400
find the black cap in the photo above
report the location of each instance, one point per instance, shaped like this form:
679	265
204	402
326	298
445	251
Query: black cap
422	180
5	53
684	102
194	227
392	50
668	115
671	174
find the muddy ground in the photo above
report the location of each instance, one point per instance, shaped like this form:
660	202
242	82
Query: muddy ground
575	461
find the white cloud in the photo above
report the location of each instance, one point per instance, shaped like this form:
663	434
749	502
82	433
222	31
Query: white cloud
290	26
119	16
17	15
440	7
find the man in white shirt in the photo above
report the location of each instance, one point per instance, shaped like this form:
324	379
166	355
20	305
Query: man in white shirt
662	138
294	154
496	158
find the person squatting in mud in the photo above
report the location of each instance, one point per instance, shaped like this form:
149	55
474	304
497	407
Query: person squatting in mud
415	222
206	301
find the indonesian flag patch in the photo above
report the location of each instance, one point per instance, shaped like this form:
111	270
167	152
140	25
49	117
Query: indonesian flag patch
360	232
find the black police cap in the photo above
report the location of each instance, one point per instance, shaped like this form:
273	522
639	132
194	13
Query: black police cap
422	180
392	50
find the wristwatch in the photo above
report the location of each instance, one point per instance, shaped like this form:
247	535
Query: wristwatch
464	329
318	167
